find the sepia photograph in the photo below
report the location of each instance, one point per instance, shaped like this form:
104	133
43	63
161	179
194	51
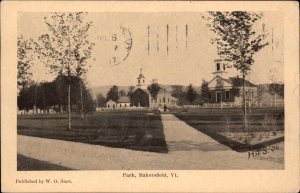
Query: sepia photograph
150	96
147	91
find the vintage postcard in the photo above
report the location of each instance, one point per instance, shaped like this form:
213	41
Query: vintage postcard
150	96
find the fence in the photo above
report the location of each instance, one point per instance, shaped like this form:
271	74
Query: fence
121	108
232	105
38	111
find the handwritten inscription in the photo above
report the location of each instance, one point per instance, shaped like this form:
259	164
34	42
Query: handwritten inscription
263	151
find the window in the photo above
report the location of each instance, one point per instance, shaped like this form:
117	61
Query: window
125	105
168	100
143	81
252	94
120	105
224	67
139	81
227	94
218	66
209	95
164	99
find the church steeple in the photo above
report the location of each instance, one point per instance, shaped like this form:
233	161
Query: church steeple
220	68
141	83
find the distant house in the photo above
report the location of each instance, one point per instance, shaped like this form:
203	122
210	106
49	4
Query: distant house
110	104
123	102
229	89
163	98
266	99
141	96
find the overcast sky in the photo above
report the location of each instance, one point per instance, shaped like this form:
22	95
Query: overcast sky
188	60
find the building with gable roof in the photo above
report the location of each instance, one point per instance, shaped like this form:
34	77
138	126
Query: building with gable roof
229	89
123	102
110	104
163	98
141	96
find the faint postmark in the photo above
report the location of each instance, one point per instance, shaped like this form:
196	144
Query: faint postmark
118	46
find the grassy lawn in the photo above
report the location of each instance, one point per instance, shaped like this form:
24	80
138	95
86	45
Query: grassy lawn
138	130
26	164
266	126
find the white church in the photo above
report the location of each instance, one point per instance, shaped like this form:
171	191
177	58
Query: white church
229	90
141	96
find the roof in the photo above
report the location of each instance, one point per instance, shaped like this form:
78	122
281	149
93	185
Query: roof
124	99
173	98
238	82
145	90
235	81
218	60
110	101
162	91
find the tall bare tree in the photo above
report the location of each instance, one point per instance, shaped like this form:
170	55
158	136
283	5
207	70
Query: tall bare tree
24	54
237	41
66	48
220	85
83	52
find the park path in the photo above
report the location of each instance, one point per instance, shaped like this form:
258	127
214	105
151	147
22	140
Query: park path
182	137
188	145
188	149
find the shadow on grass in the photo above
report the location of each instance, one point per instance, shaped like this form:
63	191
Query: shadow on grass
29	164
234	145
187	145
131	130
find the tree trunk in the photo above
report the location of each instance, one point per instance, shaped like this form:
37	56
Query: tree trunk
221	100
44	100
274	100
81	102
245	106
35	96
69	107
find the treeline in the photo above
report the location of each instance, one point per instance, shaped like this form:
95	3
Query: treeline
189	95
54	95
185	95
114	93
